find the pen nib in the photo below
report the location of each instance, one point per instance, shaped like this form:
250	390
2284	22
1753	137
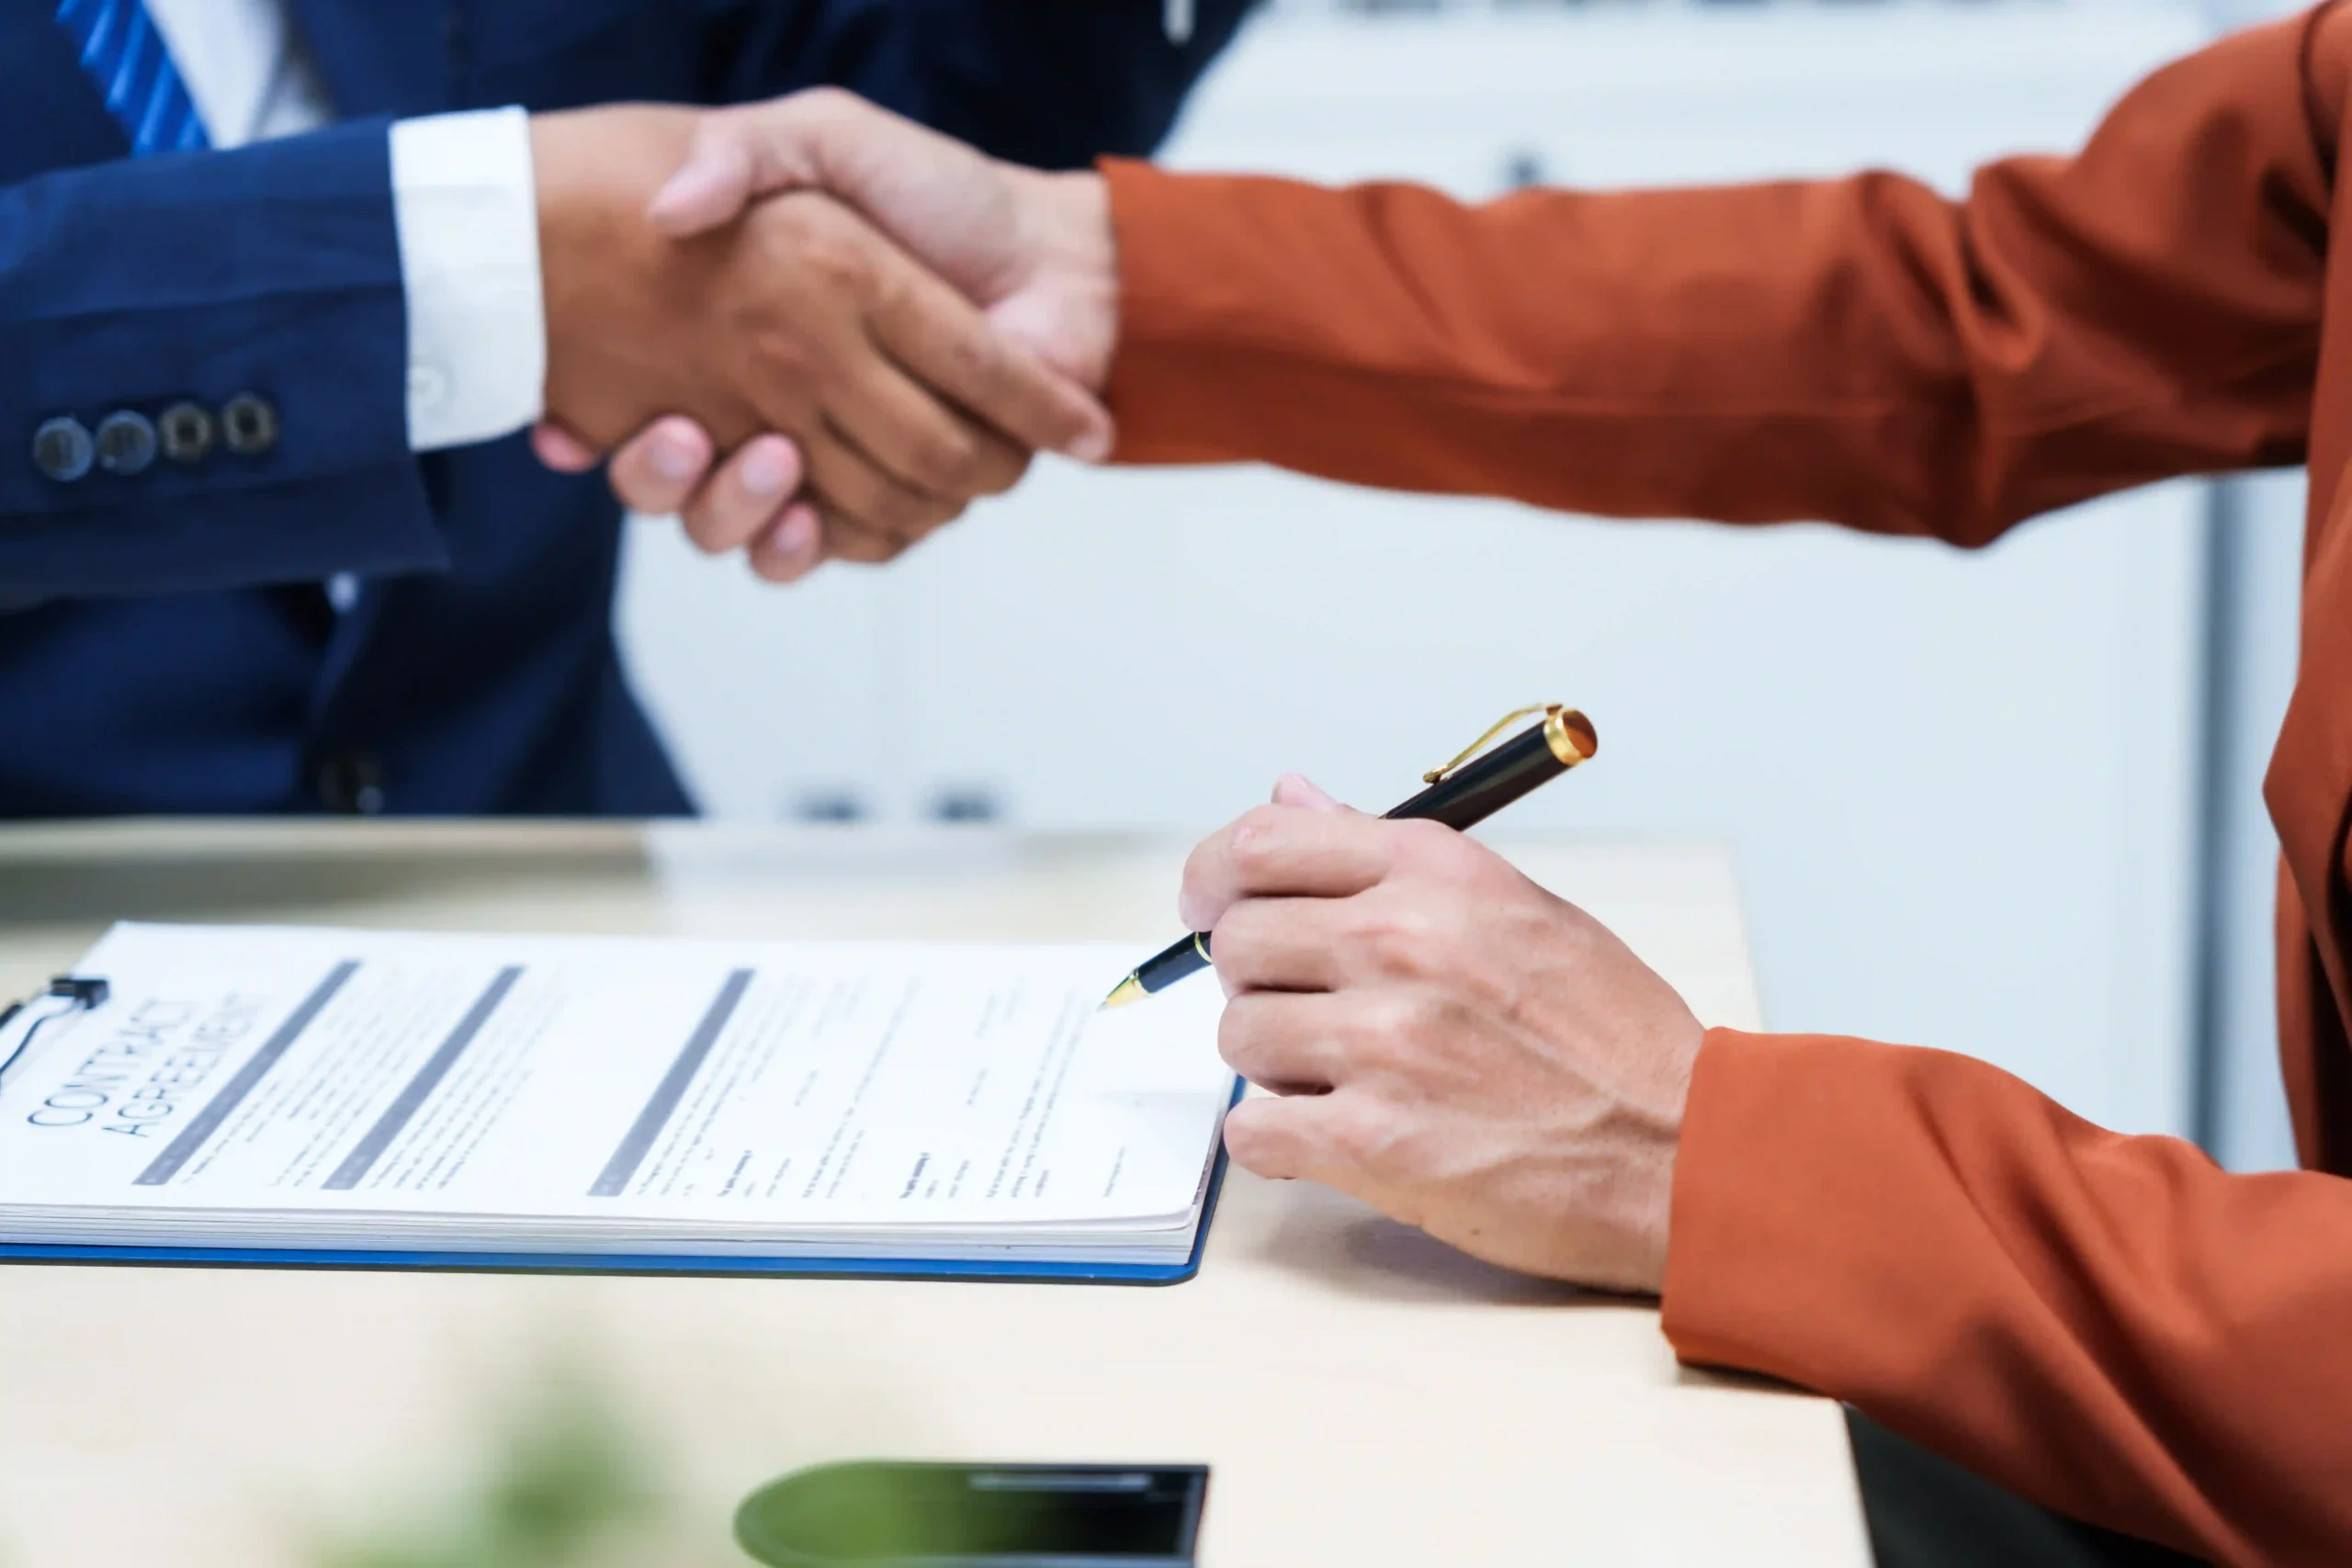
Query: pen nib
1127	990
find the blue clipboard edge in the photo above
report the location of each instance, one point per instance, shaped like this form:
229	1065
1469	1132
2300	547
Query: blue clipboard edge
688	1267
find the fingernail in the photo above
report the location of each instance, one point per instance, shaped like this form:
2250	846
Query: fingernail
1300	790
681	192
796	535
673	458
794	547
1094	447
765	473
709	188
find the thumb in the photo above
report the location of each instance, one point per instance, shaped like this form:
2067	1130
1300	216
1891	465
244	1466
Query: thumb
561	450
754	150
1295	789
711	187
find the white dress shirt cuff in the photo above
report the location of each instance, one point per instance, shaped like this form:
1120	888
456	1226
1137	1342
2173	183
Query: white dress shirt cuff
467	209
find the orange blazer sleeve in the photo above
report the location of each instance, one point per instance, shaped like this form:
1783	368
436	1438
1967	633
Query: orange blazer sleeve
1859	351
2110	1325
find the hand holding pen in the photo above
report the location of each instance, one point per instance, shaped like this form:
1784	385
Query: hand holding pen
1461	794
1444	1039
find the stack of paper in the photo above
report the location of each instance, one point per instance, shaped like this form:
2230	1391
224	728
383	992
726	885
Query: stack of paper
301	1090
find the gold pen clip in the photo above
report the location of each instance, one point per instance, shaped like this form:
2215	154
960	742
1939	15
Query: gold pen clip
1568	733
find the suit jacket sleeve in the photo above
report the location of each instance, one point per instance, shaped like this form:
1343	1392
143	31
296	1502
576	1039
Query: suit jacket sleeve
1861	351
1054	83
2111	1325
273	269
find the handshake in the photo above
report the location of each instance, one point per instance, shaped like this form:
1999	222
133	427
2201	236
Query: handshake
811	328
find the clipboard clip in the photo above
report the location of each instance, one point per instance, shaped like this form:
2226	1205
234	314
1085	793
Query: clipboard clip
79	993
1551	712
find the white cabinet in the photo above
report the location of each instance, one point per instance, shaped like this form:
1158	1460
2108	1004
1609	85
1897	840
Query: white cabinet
1960	786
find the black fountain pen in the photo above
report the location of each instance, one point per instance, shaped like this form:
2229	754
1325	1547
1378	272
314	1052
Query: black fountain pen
1462	794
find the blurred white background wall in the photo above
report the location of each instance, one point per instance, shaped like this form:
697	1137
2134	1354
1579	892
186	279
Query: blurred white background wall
1973	796
2254	613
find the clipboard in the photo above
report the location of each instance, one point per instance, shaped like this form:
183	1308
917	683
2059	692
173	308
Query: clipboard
77	993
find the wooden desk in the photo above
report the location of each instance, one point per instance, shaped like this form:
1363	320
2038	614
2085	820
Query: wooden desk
1367	1396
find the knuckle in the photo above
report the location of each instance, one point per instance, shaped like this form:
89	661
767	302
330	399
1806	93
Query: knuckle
724	133
1256	843
984	362
634	482
907	516
1426	843
1254	1145
1401	937
1265	816
833	256
869	548
947	462
889	509
1198	890
1238	1032
1357	1129
845	540
643	498
999	469
860	498
849	489
827	100
783	357
977	357
703	531
1237	932
1394	1024
1248	852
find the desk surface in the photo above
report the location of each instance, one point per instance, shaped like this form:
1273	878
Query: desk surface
1365	1395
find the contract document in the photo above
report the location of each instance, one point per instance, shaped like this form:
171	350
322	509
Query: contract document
309	1091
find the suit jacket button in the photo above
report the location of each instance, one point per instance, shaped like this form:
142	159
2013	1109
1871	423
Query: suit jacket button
352	782
63	450
188	433
126	443
248	425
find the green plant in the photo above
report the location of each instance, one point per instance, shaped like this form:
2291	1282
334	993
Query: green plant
569	1485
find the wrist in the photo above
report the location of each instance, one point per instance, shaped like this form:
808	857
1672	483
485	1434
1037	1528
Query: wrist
1654	1225
1074	228
1679	1064
610	282
595	171
1070	236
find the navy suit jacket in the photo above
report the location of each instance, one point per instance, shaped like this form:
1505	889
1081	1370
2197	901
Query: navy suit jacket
164	645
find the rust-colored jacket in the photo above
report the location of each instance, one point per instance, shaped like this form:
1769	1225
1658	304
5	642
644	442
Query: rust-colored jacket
2110	1325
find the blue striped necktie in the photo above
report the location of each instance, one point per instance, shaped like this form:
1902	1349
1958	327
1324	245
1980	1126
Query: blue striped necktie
127	57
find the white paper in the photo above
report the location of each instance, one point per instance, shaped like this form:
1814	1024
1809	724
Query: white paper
275	1086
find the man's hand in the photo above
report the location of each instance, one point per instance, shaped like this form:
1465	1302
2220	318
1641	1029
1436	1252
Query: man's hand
1450	1043
1033	250
899	399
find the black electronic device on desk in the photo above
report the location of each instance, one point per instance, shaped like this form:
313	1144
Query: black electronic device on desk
888	1515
